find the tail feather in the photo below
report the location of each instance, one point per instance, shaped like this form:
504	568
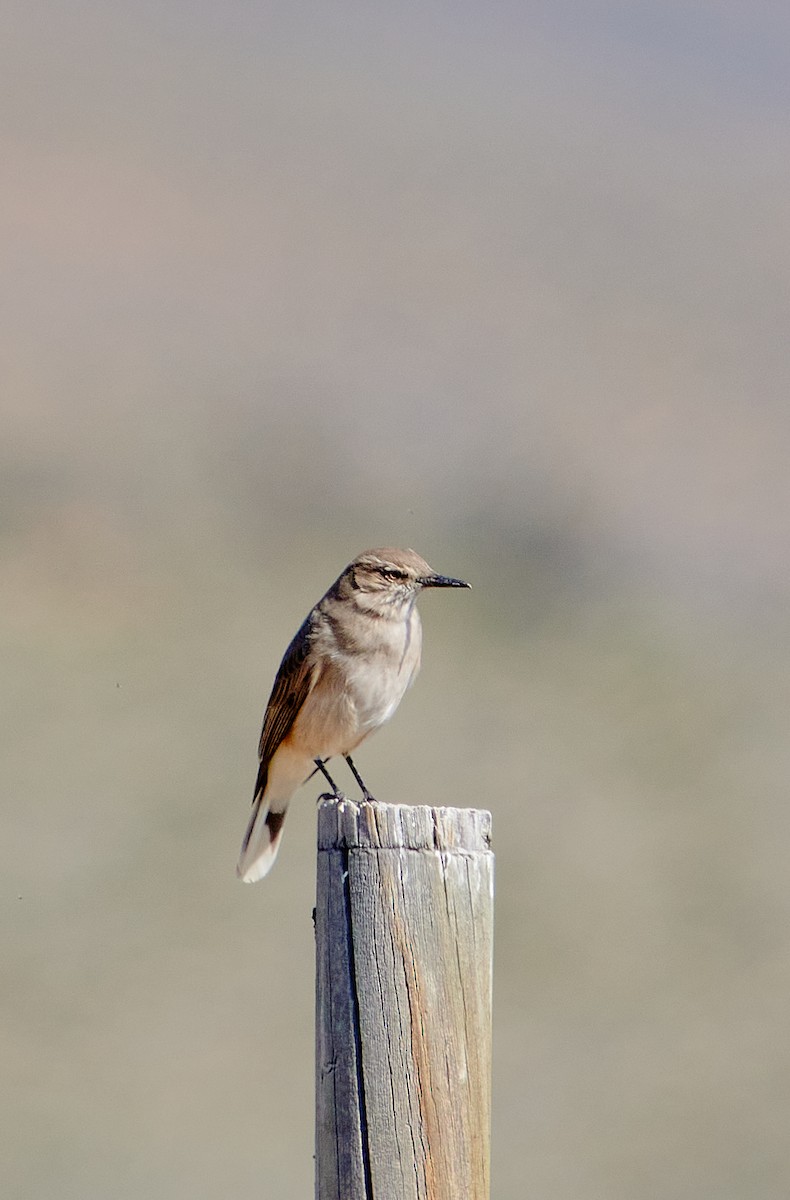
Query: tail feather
261	841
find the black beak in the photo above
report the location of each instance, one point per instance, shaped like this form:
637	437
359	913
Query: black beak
442	581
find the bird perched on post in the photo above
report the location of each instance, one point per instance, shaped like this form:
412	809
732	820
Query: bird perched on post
342	676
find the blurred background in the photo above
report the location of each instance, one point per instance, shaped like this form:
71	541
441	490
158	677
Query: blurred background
503	282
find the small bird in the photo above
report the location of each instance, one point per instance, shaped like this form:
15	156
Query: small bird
342	676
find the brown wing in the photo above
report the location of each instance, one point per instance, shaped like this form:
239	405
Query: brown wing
295	680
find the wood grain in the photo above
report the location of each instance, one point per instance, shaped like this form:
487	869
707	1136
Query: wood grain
404	933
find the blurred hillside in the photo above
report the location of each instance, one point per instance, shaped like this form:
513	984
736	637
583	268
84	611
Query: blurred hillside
508	285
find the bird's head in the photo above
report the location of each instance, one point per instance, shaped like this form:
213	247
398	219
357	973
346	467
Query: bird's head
385	578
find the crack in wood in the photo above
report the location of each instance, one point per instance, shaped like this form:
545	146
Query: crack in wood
352	980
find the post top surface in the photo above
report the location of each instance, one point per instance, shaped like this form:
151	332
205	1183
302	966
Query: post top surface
346	824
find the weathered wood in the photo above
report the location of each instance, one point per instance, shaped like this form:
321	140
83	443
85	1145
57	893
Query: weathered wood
404	931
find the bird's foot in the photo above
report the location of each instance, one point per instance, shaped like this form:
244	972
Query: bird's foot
327	796
367	798
320	765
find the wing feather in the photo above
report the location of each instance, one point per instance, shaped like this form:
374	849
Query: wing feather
295	679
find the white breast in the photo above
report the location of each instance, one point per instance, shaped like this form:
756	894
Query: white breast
379	678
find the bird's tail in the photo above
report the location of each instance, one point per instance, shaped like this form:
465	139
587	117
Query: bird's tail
262	839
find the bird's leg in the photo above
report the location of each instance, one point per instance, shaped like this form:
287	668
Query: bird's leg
366	796
319	766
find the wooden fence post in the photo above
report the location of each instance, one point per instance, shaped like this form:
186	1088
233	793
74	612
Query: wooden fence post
404	933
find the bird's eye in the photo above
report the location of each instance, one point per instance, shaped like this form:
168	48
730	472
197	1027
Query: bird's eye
392	575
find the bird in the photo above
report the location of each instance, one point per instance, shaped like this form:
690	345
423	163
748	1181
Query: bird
343	675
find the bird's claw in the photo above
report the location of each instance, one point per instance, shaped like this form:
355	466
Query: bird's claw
339	796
